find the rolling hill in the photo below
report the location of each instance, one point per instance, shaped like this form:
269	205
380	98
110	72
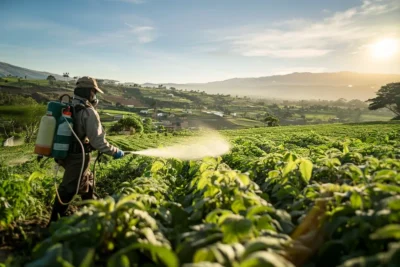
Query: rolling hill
329	86
8	69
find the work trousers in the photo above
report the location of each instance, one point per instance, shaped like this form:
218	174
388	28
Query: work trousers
67	189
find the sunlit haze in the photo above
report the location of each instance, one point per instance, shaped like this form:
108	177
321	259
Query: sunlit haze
184	41
385	48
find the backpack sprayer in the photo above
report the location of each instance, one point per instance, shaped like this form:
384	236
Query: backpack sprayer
55	136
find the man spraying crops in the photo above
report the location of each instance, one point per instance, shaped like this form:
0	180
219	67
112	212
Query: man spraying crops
88	128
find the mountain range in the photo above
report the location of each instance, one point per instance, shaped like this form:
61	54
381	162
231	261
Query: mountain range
8	69
329	86
306	85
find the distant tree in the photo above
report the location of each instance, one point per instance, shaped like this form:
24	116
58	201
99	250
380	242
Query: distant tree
340	102
127	123
26	117
357	115
147	125
161	129
32	120
51	79
356	103
271	120
343	114
66	75
387	97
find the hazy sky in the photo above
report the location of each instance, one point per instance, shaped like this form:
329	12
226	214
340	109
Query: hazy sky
200	40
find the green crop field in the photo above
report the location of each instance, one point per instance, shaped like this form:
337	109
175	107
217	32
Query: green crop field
320	116
245	122
116	112
371	117
324	195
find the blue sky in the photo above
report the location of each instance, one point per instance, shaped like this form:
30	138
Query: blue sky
197	40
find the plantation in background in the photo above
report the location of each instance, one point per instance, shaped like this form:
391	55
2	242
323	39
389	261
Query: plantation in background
323	195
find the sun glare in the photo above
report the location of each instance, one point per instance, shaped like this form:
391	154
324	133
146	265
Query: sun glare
385	48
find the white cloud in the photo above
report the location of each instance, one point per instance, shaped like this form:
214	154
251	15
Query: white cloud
376	7
286	53
125	36
144	34
304	39
141	29
132	34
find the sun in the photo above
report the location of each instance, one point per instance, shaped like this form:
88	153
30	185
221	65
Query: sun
384	48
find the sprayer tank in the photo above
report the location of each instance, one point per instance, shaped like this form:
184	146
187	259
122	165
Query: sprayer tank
44	140
48	127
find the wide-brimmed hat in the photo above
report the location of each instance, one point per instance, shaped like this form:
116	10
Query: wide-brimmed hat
88	82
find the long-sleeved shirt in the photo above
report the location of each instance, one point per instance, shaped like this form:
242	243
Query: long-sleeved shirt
88	125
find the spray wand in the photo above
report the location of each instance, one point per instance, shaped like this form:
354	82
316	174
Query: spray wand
131	153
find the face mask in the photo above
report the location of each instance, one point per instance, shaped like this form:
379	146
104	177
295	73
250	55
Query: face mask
94	101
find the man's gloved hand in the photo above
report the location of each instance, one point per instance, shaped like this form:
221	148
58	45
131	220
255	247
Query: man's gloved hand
118	154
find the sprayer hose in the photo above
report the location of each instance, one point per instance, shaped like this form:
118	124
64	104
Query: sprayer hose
80	176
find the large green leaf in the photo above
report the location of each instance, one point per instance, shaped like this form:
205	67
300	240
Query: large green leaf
88	257
290	166
265	259
288	157
50	258
35	175
244	179
387	232
157	166
119	260
203	255
214	215
238	205
306	168
356	200
388	188
235	228
257	210
262	243
345	149
384	174
159	254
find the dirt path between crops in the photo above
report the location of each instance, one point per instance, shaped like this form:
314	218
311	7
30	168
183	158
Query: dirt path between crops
20	238
19	160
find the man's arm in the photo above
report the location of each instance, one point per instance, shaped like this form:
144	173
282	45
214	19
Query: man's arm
96	134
